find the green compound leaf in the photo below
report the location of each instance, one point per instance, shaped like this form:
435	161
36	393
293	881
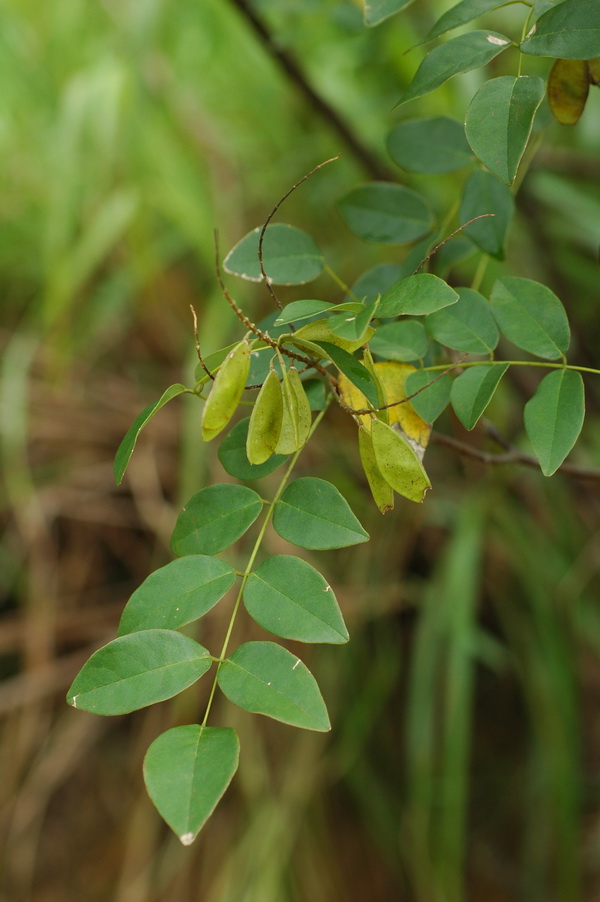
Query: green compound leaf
176	594
312	513
570	30
186	771
126	447
531	316
234	459
433	397
417	296
467	325
461	54
354	370
473	390
386	213
483	193
398	463
290	256
403	341
381	490
214	518
554	417
378	10
264	678
138	670
289	598
499	122
463	12
429	145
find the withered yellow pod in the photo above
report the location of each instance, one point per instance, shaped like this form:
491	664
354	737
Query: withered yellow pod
297	418
568	86
265	421
226	391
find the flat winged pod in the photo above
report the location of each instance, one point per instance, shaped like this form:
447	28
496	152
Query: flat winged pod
265	421
296	414
226	391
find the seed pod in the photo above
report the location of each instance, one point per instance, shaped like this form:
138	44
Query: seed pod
297	416
383	493
265	421
568	86
226	391
398	463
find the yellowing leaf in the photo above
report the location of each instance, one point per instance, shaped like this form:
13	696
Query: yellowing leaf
398	462
402	417
568	86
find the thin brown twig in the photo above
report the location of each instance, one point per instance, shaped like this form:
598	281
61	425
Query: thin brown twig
270	217
512	456
367	410
449	238
198	351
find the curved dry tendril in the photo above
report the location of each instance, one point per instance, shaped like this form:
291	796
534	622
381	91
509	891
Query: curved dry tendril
270	217
448	238
197	340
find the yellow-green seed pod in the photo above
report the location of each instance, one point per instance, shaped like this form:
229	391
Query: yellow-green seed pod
265	421
383	493
296	420
226	391
398	463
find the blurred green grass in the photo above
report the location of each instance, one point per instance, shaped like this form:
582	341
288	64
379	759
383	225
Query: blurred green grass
464	759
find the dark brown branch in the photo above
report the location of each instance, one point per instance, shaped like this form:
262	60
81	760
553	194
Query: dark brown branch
513	456
370	162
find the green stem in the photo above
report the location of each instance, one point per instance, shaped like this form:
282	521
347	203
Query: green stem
553	366
480	272
341	284
250	564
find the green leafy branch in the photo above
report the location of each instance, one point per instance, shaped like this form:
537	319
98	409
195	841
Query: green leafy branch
399	348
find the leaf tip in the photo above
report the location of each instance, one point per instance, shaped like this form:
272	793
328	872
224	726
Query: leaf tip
73	701
186	839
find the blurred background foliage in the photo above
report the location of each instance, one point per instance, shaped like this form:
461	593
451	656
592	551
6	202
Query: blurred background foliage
464	762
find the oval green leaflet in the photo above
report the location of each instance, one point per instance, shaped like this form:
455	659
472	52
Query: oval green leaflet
226	391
